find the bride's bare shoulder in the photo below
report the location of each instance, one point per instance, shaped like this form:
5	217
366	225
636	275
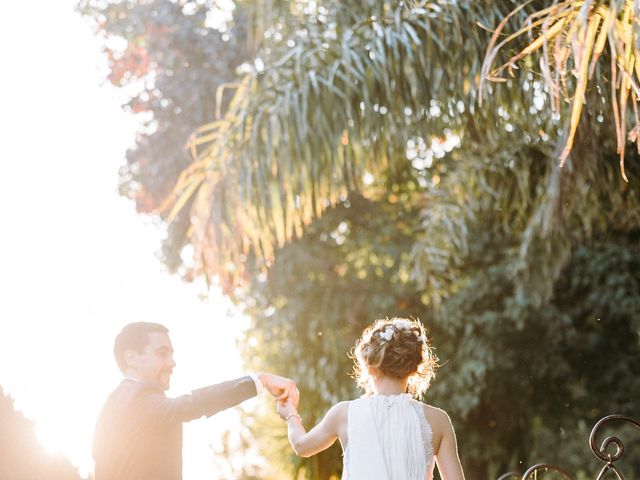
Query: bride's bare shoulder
435	410
339	414
435	415
340	409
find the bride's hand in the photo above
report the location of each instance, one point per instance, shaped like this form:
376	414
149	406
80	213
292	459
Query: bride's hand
286	408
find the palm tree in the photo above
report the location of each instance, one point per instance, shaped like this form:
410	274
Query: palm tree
340	95
573	35
433	121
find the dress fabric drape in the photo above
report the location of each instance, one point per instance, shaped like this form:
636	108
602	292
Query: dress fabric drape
389	438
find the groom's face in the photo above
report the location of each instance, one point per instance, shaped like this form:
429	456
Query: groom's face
155	363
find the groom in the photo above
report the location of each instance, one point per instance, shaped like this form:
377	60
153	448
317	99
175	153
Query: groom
138	435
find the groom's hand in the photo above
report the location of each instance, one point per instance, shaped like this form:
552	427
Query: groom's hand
280	387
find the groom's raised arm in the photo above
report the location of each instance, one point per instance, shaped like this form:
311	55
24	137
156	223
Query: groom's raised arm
206	401
209	400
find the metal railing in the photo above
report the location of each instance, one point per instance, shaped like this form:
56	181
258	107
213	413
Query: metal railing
602	453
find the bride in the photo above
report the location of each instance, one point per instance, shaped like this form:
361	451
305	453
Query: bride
386	434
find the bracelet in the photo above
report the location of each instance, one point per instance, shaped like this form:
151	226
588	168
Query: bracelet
293	415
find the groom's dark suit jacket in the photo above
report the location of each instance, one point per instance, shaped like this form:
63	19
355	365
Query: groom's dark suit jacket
139	431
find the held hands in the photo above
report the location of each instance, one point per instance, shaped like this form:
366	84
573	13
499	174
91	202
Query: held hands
286	409
285	392
284	389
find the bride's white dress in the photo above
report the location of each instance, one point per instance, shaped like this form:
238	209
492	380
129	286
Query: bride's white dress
389	438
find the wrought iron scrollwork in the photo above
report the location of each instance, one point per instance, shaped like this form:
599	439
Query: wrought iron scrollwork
532	473
602	453
536	471
509	476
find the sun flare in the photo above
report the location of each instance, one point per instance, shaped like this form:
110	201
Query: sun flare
87	265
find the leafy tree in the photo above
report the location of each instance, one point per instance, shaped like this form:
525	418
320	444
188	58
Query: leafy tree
170	65
355	174
573	36
516	375
348	271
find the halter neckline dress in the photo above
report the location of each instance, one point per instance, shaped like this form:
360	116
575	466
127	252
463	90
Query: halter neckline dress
389	438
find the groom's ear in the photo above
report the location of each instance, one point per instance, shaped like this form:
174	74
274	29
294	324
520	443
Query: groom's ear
130	358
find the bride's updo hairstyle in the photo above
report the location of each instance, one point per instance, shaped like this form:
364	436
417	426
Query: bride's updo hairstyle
397	348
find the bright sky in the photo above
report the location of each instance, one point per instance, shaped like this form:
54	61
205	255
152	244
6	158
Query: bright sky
77	262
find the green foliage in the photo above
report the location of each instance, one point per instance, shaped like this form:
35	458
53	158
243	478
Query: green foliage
516	374
337	97
348	271
573	36
517	368
354	176
170	65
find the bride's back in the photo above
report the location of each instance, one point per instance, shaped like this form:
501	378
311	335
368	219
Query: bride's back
388	437
385	435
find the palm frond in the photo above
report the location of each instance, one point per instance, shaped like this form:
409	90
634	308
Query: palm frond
577	33
333	107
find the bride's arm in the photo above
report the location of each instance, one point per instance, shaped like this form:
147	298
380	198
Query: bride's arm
447	456
320	437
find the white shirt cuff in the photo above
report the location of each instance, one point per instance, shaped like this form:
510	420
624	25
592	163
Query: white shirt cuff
256	380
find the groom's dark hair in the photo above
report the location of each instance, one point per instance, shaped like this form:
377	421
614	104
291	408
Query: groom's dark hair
134	336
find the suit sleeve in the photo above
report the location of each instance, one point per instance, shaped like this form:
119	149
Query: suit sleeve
201	402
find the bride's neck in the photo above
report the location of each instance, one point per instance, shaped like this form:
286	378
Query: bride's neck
389	386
